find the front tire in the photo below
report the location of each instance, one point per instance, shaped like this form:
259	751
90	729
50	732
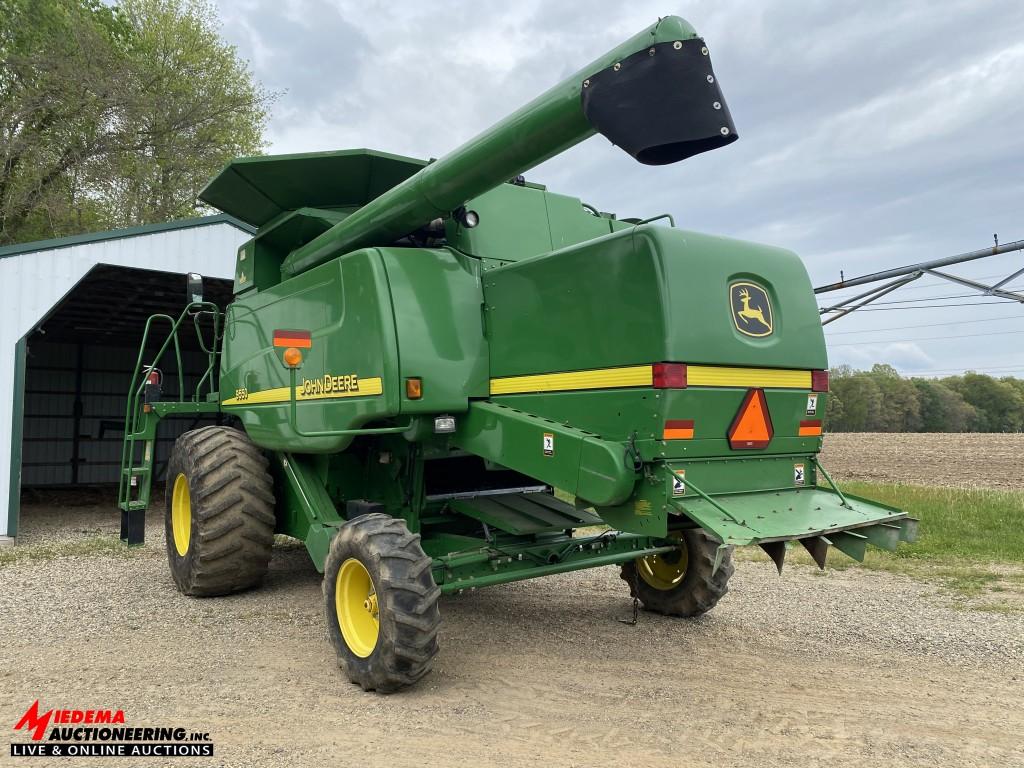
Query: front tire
219	518
380	602
683	584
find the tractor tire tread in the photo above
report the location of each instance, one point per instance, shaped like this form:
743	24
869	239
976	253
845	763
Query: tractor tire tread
232	512
409	615
701	588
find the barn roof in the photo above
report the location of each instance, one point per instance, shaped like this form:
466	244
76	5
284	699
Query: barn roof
117	234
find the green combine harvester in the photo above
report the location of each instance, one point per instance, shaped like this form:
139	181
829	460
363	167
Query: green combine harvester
443	377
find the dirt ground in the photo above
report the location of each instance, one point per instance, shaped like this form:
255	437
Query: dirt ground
847	668
969	460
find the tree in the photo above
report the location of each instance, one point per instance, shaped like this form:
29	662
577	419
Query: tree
899	409
1000	405
861	400
943	410
882	400
115	115
835	413
60	82
195	107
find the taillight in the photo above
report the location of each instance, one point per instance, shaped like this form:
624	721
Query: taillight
819	381
151	392
669	375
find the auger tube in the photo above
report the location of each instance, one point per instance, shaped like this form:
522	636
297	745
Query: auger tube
654	95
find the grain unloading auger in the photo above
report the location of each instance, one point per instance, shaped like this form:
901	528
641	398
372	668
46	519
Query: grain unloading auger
420	354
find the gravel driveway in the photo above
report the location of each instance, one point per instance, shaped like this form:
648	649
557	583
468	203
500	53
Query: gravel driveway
845	668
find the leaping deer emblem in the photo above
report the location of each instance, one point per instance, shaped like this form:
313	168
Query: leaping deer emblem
749	313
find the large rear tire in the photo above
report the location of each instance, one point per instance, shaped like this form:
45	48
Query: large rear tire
380	602
681	584
219	516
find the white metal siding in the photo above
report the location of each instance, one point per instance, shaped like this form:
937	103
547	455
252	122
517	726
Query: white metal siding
32	283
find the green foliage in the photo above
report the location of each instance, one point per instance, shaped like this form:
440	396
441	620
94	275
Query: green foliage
970	541
862	402
880	400
944	410
900	409
115	115
1000	404
956	523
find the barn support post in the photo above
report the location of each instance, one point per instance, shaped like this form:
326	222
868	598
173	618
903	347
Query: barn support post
17	426
76	423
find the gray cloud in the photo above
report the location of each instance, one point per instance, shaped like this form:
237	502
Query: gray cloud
872	134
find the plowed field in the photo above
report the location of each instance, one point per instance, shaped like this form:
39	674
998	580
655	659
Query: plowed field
954	460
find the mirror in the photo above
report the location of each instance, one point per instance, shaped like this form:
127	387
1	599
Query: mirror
195	287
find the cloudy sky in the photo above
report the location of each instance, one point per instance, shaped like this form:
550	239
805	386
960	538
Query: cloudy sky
872	135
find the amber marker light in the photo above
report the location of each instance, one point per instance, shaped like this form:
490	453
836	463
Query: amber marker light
414	388
292	357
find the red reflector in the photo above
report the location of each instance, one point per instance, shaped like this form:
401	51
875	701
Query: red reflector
810	428
297	339
153	379
678	429
752	427
819	381
669	375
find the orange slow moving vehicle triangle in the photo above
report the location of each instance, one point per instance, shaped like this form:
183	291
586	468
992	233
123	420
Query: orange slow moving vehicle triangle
752	427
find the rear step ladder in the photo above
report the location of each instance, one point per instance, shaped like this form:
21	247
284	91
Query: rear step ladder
145	408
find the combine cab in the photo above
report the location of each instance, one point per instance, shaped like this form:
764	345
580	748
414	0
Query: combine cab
443	377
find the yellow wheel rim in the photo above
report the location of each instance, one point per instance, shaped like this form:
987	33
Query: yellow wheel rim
181	514
355	600
666	571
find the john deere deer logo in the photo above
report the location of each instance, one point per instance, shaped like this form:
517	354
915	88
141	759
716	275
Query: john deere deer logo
751	309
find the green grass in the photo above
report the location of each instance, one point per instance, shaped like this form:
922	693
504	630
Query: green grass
956	524
1003	608
971	543
88	547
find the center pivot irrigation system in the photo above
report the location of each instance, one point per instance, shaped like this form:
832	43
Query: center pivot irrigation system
441	377
900	276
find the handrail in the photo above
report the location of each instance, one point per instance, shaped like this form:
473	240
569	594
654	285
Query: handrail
211	352
204	307
137	386
659	217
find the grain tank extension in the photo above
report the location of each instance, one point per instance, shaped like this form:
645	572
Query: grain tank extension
441	376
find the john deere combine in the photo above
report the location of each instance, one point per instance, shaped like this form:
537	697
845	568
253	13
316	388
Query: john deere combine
445	377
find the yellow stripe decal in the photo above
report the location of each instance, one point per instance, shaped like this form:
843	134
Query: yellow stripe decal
371	386
715	376
604	378
642	376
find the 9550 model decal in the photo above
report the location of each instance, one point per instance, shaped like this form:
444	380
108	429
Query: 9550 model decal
326	387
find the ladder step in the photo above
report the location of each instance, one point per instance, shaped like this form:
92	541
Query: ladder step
136	470
128	506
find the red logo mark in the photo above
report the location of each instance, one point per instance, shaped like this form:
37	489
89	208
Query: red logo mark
37	723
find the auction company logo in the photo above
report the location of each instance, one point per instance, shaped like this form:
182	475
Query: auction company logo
102	733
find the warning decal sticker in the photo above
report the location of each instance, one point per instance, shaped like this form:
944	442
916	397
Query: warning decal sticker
679	482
